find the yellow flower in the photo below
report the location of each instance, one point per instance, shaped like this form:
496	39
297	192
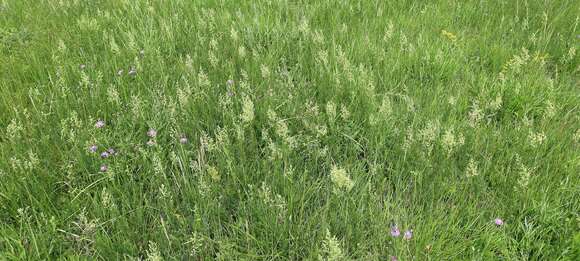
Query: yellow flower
452	37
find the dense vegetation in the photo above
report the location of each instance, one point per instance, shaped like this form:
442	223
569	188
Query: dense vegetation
289	130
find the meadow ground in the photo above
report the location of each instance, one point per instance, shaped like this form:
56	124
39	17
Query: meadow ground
289	130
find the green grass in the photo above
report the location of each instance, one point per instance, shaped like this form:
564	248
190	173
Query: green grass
344	119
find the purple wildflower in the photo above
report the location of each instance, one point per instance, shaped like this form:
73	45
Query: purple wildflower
498	222
99	124
394	258
93	148
408	234
104	168
395	232
112	151
104	154
152	133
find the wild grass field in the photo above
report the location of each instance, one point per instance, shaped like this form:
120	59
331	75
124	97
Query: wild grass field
289	130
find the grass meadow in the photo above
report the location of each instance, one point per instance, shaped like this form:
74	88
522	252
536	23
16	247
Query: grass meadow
289	130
